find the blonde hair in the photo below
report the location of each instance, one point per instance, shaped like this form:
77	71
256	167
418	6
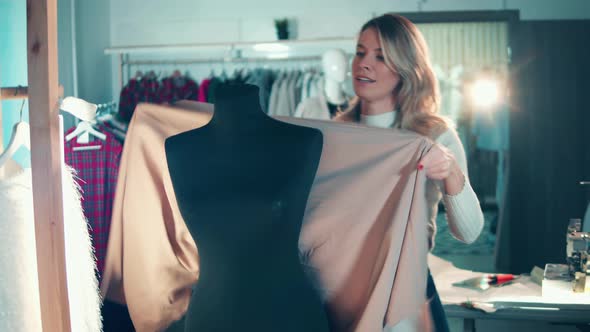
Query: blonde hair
417	93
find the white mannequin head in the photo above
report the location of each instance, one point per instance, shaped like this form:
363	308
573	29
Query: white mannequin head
335	65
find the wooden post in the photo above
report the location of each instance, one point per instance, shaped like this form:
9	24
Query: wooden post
46	163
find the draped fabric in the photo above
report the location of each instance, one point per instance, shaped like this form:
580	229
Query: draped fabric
363	240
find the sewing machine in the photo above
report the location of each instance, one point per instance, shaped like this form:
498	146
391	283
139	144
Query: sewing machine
572	279
578	256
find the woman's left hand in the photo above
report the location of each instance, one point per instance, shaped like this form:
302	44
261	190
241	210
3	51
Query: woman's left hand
440	164
437	163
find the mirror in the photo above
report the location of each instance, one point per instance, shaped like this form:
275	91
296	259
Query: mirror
471	64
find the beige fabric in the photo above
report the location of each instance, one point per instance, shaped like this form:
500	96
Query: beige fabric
151	259
463	211
365	221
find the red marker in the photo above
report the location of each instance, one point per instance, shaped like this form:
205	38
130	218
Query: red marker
500	278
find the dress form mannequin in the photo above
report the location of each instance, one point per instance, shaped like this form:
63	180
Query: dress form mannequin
242	183
332	99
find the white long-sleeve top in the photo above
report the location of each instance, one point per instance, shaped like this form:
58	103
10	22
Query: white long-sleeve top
463	211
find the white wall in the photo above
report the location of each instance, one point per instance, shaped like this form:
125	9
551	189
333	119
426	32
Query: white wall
64	46
13	67
151	22
92	37
65	54
13	60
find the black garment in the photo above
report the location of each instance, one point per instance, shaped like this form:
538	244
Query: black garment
436	308
115	317
242	183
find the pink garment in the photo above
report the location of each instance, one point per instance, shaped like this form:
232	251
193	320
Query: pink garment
203	90
365	221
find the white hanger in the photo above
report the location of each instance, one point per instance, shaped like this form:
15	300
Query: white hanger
86	112
21	136
83	131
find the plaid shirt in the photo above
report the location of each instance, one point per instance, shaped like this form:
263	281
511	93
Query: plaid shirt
150	89
136	91
173	89
97	176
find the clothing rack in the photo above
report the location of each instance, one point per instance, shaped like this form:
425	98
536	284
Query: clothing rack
46	163
14	93
232	52
17	92
10	93
218	60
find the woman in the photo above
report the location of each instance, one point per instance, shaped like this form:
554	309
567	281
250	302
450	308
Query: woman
396	87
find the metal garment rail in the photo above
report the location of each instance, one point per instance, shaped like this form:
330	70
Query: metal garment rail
233	50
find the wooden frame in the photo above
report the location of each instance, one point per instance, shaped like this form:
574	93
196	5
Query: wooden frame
46	163
10	93
510	16
14	92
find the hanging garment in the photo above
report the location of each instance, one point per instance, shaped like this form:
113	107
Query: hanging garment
203	90
97	172
274	93
213	84
313	108
115	127
144	89
316	85
174	88
282	96
263	79
128	98
318	108
351	247
298	89
19	290
291	92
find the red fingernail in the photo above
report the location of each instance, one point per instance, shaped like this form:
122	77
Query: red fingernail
420	166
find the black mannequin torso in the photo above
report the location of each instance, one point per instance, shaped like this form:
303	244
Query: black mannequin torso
242	183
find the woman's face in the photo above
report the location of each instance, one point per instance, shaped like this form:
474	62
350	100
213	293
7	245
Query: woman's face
373	81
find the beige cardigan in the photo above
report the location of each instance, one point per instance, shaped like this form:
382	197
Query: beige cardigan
365	221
